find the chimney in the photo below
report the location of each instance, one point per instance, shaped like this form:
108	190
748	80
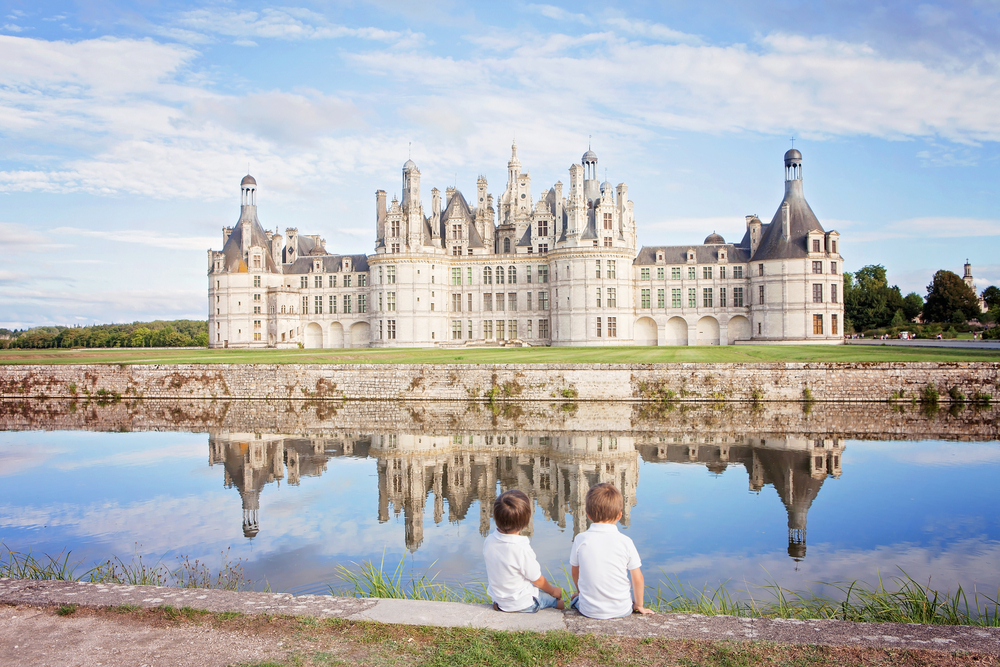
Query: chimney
754	225
380	213
436	203
226	232
448	193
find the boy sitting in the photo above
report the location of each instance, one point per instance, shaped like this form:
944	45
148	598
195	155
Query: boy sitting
604	561
511	567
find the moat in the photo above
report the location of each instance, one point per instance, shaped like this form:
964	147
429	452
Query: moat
796	494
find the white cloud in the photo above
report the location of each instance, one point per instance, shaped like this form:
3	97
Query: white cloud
143	237
651	30
558	13
920	228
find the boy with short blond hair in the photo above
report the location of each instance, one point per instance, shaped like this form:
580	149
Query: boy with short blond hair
604	562
515	578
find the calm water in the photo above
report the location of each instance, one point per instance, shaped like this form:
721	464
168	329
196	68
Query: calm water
705	507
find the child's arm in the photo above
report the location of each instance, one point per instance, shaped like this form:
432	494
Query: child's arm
576	579
542	584
638	588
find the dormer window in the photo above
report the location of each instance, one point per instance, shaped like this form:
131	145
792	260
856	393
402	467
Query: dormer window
690	255
659	257
722	256
815	245
346	265
317	266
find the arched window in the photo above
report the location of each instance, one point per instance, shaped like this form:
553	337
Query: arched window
506	245
512	275
487	275
499	274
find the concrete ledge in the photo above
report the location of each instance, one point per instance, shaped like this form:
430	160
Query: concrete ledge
454	614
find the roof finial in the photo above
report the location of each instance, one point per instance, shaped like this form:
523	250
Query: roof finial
589	137
409	150
793	142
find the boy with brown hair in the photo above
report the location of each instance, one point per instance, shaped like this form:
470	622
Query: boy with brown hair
605	562
511	567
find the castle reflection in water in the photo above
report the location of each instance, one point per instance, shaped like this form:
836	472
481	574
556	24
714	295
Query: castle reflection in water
554	470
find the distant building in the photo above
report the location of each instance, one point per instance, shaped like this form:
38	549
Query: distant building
970	281
564	269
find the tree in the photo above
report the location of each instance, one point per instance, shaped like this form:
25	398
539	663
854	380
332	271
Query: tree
991	295
869	301
913	304
948	293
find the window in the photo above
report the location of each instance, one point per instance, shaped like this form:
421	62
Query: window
394	228
395	248
347	303
487	328
529	301
612	327
643	274
317	281
815	245
543	227
256	262
833	324
706	272
760	269
256	310
738	272
470	329
500	330
817	293
645	298
506	245
722	297
692	298
833	247
487	302
499	275
612	267
390	276
333	280
527	274
543	273
543	328
256	335
722	272
706	297
390	301
692	273
833	294
456	276
456	329
363	280
612	298
543	303
833	268
597	265
380	301
529	329
543	248
607	221
598	297
608	242
661	298
512	301
305	305
456	303
511	275
487	275
738	297
660	273
675	297
817	267
256	324
390	329
347	281
512	328
675	273
456	231
499	301
318	305
469	302
256	281
598	327
818	325
303	281
362	303
760	294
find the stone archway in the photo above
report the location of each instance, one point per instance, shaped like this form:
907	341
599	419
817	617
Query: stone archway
314	336
708	331
676	331
336	335
645	332
360	334
738	328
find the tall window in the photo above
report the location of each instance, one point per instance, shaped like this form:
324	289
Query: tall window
644	274
833	268
760	269
347	281
487	275
456	276
738	297
833	294
512	301
692	273
390	276
487	329
612	297
362	303
317	281
612	268
456	303
543	273
395	248
660	273
487	302
333	303
456	250
612	327
500	330
598	297
833	324
543	228
675	297
738	272
527	274
512	328
506	245
543	301
675	273
607	242
305	305
456	329
543	248
511	275
598	327
456	231
363	280
661	298
499	301
645	298
597	265
468	302
347	303
722	297
818	325
692	298
529	300
394	228
390	301
304	281
706	297
706	272
499	275
817	267
760	293
607	221
722	272
817	293
390	329
318	305
543	328
333	280
815	245
256	281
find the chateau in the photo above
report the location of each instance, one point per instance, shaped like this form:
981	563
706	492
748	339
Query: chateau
562	269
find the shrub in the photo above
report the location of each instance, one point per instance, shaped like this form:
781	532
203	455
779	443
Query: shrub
929	395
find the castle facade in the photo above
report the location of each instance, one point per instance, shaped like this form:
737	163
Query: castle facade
562	269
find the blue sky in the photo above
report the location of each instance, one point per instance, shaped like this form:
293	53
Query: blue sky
125	127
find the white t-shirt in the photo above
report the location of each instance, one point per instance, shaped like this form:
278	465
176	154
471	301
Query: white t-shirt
511	566
605	558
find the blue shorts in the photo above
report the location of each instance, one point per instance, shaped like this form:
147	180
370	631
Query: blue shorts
575	604
543	601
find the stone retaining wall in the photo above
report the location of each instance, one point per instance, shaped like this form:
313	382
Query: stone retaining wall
525	382
320	418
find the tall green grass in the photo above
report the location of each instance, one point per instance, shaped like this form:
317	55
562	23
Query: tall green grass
370	580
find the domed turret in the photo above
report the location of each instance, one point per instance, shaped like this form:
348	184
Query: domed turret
793	165
589	156
248	180
409	164
792	154
248	190
714	239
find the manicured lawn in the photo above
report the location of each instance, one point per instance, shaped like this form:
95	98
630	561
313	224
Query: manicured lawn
715	354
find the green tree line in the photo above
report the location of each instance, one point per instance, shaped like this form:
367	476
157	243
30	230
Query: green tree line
159	333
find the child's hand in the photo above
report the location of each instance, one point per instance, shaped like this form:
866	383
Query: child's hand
557	593
642	610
